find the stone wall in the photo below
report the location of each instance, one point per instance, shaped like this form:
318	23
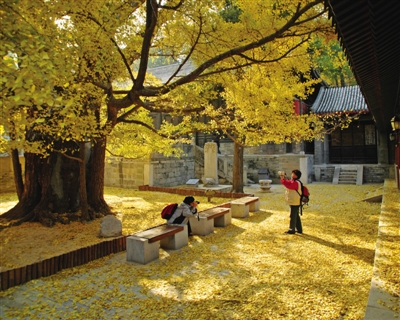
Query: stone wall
376	173
132	173
159	170
268	149
168	173
175	172
275	163
324	173
372	173
124	173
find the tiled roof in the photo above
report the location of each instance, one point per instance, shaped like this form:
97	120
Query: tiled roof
165	72
369	33
339	99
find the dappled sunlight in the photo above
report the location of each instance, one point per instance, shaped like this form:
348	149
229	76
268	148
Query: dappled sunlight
247	270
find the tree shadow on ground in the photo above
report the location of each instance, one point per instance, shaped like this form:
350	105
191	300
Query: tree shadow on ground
257	217
232	230
367	255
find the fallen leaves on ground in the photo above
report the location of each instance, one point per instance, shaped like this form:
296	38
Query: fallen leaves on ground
248	270
138	210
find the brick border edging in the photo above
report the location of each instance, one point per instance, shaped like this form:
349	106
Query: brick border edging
17	276
193	192
14	277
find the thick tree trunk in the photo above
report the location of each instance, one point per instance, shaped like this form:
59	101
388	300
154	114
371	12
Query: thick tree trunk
30	196
19	184
95	178
237	184
59	186
82	182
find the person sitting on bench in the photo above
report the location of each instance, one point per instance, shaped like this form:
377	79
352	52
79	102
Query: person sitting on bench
187	209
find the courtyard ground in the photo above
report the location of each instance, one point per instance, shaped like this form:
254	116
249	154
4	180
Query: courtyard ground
248	270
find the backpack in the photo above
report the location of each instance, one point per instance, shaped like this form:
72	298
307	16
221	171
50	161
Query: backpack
168	211
304	196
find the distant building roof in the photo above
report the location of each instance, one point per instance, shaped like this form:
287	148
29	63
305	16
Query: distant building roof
163	73
339	99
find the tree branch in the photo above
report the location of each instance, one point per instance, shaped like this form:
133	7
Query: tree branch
90	17
278	58
140	123
234	52
189	53
151	22
69	157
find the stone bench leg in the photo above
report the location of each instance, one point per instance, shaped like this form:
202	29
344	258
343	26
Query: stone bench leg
176	241
202	227
239	210
255	206
224	220
140	250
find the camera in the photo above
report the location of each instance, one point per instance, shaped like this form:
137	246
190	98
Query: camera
282	173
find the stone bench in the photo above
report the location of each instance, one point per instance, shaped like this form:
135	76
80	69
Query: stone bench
204	223
143	246
240	207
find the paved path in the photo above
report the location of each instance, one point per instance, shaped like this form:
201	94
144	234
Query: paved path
73	295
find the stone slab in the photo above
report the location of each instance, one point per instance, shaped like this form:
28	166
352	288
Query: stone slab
140	250
376	310
201	226
223	220
176	241
252	202
239	210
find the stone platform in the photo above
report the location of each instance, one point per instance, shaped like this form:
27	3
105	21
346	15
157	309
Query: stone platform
219	188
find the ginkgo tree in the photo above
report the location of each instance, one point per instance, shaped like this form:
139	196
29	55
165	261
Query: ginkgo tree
65	65
331	62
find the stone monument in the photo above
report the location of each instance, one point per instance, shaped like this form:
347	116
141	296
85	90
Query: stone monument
210	176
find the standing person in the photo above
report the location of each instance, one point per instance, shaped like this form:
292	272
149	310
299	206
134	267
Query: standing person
216	140
187	209
292	197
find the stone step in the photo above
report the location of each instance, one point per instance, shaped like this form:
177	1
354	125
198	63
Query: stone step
347	176
350	180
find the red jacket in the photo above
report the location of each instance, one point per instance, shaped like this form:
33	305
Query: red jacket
291	195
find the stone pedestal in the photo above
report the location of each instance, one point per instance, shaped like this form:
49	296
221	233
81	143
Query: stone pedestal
265	185
201	227
223	220
148	174
254	206
303	168
140	250
176	241
239	210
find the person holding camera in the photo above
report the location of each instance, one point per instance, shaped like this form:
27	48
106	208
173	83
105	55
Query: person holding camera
187	209
293	189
